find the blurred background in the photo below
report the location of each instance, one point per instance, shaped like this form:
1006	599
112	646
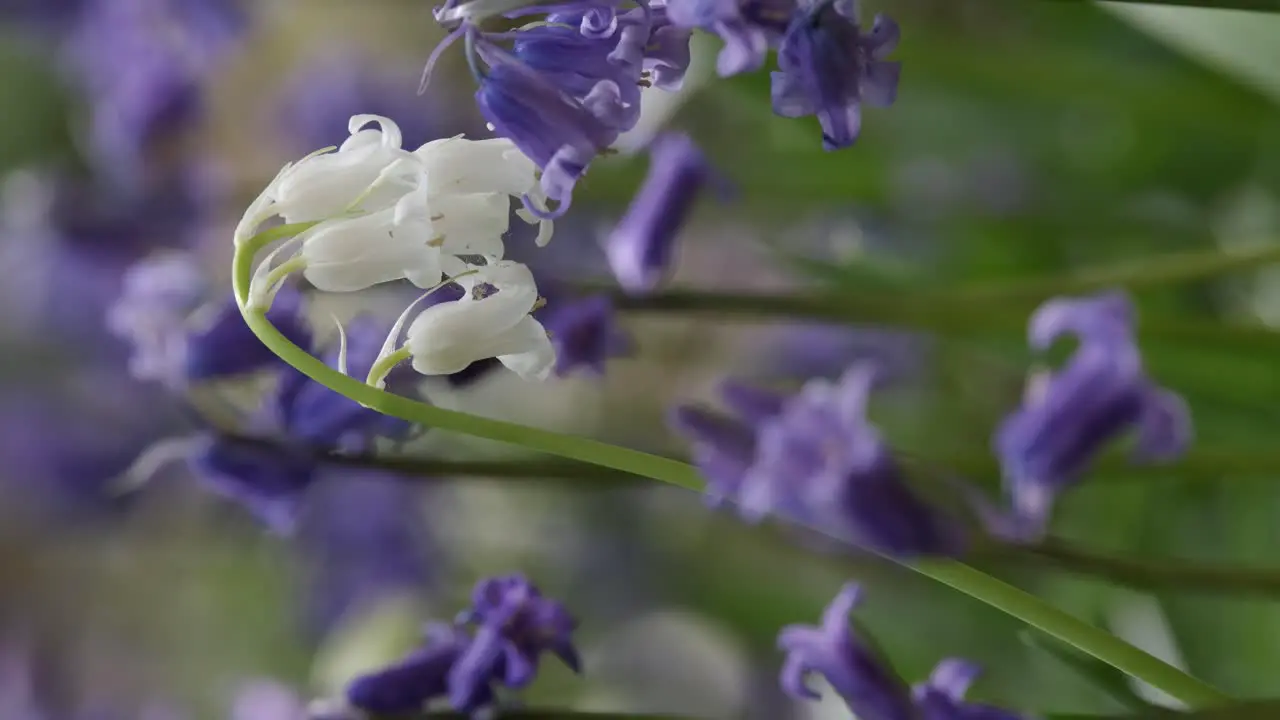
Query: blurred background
1031	139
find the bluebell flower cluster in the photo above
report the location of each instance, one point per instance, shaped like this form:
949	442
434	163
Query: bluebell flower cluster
564	89
569	85
813	458
496	643
867	683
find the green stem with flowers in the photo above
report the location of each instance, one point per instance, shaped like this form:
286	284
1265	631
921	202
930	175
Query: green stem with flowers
1000	595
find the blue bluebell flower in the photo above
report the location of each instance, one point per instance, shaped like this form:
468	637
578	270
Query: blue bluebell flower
749	28
220	345
853	668
942	697
815	459
514	625
561	133
583	331
408	685
1069	416
268	480
828	67
175	341
639	248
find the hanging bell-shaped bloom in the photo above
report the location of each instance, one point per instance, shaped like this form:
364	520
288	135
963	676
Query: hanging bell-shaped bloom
828	67
370	171
1071	415
492	320
354	253
471	183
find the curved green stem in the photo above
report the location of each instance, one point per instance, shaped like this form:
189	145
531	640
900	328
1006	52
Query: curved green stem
984	588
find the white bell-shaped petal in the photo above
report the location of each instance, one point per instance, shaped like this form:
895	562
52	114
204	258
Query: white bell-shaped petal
538	358
459	165
472	224
448	337
370	171
327	185
350	254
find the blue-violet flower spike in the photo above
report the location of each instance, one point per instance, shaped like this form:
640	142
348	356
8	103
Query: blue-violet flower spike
828	68
1071	414
871	689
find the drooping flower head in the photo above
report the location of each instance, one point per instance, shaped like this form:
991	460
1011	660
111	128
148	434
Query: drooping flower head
561	133
492	319
853	668
640	247
828	67
1069	416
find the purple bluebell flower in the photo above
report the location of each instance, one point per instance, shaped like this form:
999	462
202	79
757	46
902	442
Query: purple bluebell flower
942	697
407	686
575	62
1070	415
514	624
175	341
853	668
219	344
828	67
561	133
724	446
749	28
822	463
640	247
142	64
583	331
